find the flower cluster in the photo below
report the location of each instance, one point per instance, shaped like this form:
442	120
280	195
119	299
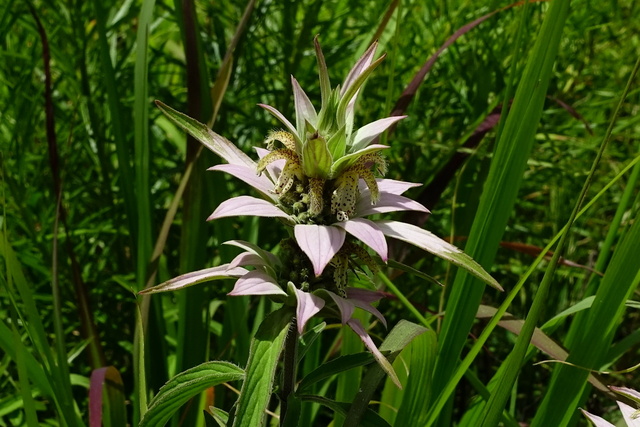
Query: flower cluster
630	415
322	179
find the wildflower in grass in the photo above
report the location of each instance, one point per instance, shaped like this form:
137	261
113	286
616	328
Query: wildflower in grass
322	179
630	415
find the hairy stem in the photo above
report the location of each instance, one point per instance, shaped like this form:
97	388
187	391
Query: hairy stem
289	370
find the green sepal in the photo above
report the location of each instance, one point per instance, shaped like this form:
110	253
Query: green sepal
327	116
316	158
337	144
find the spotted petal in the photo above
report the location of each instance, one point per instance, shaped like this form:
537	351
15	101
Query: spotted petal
431	243
308	306
256	283
367	232
247	205
215	273
260	182
320	243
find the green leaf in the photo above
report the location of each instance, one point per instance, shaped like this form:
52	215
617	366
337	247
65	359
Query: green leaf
261	367
308	338
179	389
412	411
369	417
500	191
333	367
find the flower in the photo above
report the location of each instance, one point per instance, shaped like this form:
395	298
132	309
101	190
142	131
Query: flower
322	179
631	416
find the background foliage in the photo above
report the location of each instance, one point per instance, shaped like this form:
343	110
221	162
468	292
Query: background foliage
119	162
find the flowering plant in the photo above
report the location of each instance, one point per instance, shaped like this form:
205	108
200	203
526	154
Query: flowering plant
322	179
630	415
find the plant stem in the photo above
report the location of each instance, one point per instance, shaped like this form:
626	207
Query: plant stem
289	370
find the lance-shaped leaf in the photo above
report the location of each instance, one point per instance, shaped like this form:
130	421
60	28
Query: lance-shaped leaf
195	277
304	109
367	232
214	142
247	205
256	283
363	136
308	306
435	245
320	243
278	115
260	182
265	352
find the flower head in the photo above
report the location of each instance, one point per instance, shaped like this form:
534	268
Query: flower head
323	179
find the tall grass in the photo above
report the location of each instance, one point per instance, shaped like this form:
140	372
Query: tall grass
136	195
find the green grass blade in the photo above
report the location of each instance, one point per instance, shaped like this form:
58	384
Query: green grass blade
117	122
567	388
23	375
412	411
500	192
141	143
